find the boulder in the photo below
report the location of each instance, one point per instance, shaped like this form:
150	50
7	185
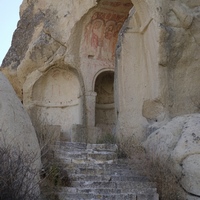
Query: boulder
178	144
16	130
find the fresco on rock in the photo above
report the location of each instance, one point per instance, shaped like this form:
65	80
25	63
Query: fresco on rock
101	32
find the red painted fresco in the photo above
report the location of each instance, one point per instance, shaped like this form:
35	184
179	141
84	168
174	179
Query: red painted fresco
117	4
101	34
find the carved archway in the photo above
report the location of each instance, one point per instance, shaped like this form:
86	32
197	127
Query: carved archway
104	108
57	99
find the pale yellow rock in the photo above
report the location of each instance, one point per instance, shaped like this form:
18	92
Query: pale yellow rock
17	135
16	129
66	55
177	145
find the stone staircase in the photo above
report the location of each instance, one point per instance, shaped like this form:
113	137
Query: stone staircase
96	173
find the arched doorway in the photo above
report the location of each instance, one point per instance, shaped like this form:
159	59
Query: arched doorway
104	108
57	100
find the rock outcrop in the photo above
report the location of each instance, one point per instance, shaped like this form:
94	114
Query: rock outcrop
17	134
61	62
157	66
66	56
16	128
177	145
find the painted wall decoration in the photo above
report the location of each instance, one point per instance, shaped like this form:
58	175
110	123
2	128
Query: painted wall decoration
101	32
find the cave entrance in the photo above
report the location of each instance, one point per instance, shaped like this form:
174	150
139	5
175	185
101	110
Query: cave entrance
104	108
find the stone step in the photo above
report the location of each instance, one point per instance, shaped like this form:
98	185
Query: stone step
83	177
71	146
102	147
100	171
114	184
85	157
110	190
108	166
96	173
103	155
115	196
74	146
86	196
70	161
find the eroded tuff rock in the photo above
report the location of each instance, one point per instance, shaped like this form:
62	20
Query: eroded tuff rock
158	62
16	129
177	144
65	71
156	59
41	37
17	135
66	55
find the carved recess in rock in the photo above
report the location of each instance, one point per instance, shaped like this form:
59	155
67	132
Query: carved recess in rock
104	110
58	100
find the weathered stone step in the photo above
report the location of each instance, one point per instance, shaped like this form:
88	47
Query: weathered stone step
117	184
100	171
137	190
102	147
96	173
123	196
103	155
64	196
70	161
74	146
114	166
83	177
71	146
84	157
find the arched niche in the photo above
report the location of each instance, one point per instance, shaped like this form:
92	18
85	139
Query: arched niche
104	108
57	99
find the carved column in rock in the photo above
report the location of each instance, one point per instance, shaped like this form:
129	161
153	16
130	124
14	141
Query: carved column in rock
90	98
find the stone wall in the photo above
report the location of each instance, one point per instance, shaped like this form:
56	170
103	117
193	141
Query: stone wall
155	64
64	49
139	77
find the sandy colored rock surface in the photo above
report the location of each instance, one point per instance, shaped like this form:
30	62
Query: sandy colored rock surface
16	129
177	145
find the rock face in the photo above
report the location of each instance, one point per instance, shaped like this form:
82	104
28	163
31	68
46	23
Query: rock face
67	55
157	65
63	68
178	144
18	139
75	42
16	129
